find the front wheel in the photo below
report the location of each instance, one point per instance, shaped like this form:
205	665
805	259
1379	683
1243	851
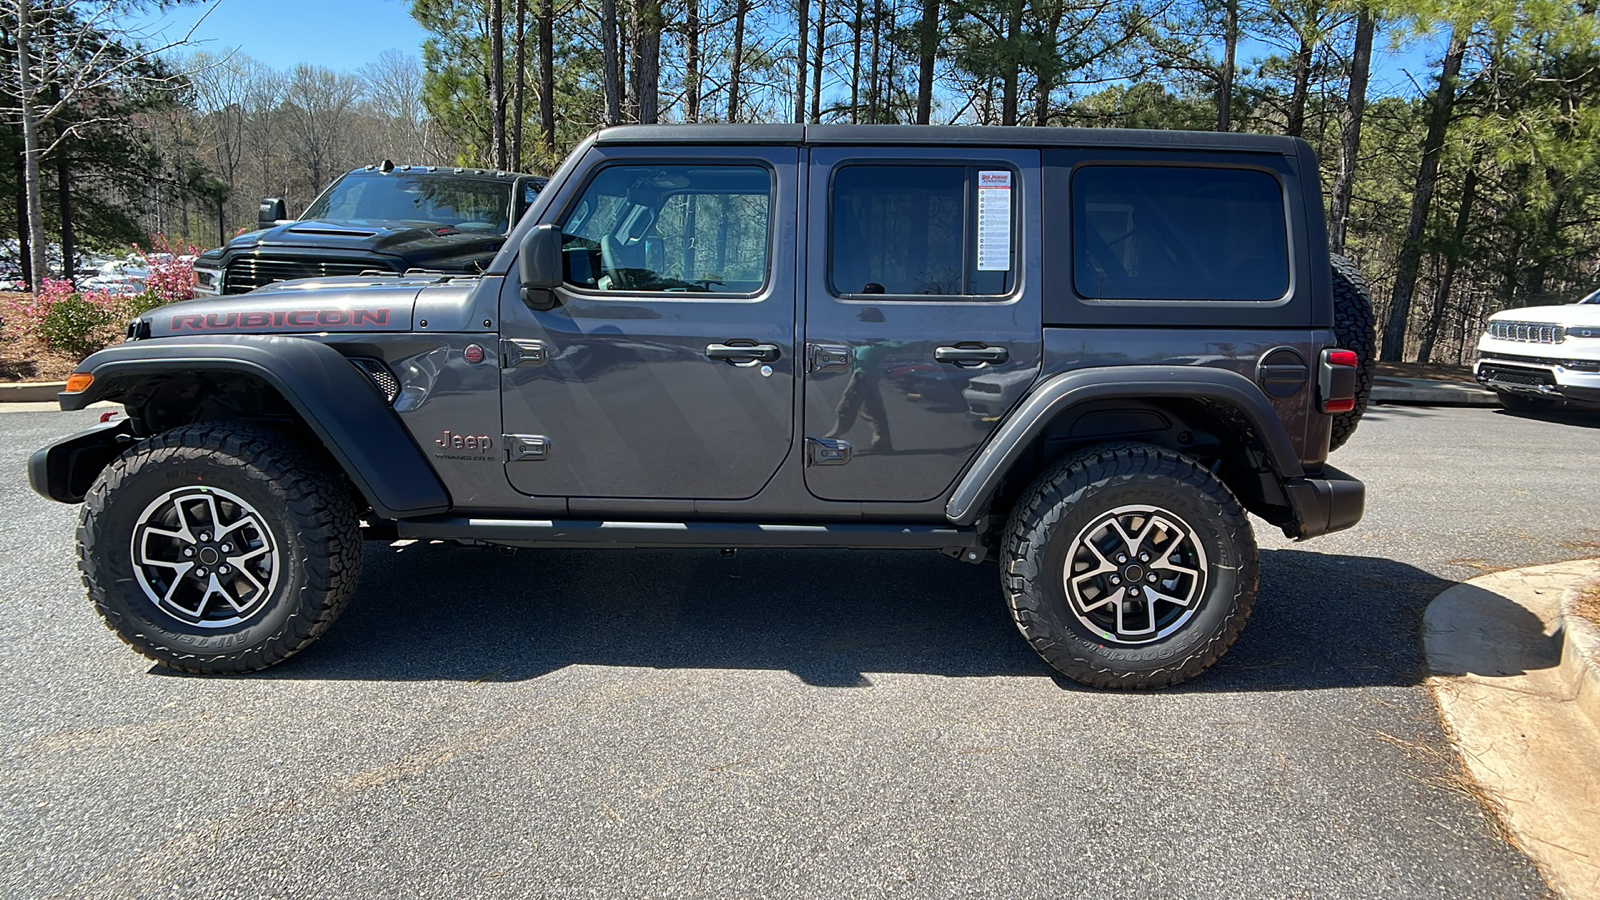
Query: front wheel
219	548
1129	566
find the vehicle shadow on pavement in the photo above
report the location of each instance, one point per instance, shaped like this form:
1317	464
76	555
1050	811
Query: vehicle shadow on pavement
1581	418
833	618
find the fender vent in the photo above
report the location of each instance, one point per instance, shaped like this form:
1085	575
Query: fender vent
379	374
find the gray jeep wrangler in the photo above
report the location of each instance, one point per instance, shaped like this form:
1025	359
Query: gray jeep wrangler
1085	354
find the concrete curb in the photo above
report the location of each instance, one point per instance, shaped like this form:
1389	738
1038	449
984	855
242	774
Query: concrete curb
1580	655
1423	392
31	391
1510	690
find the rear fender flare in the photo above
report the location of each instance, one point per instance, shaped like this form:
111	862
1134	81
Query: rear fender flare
1062	392
351	419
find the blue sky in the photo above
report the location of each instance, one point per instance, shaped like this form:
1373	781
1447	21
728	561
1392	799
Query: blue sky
339	34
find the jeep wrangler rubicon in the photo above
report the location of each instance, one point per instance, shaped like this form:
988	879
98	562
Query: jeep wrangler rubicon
1086	354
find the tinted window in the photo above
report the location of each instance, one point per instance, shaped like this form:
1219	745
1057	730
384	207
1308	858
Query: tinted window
1172	233
696	229
914	230
468	204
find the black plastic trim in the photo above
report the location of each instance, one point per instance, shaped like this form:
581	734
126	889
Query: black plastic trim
65	470
334	397
1057	394
734	535
1333	501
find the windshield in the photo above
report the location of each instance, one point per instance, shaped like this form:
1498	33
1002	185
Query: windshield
1592	298
469	204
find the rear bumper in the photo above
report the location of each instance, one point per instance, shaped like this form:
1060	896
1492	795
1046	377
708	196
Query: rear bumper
1331	501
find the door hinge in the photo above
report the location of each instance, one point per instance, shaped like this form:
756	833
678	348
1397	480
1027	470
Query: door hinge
526	447
820	357
827	452
518	352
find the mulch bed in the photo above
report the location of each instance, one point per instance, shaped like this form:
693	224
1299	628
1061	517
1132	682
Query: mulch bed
1435	371
23	357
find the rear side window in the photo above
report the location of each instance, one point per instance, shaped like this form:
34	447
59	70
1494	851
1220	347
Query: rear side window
916	230
1178	233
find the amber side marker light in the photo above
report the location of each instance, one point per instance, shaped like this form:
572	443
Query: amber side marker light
79	383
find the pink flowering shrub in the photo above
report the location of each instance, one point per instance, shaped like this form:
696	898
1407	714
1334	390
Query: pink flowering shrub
171	270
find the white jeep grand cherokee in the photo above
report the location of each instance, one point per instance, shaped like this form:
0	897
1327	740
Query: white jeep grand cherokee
1541	356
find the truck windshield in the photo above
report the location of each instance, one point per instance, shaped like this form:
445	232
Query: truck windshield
468	204
1592	298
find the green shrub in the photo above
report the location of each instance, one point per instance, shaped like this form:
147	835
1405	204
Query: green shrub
138	304
77	326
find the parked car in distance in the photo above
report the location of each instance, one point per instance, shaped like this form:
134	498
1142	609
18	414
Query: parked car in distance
1541	357
383	219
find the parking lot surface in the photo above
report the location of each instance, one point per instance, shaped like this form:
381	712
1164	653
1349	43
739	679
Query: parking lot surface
811	724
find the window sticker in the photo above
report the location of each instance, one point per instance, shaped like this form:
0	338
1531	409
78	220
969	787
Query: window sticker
994	221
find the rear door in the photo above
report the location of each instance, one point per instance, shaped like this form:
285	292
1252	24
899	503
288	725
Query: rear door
666	368
922	302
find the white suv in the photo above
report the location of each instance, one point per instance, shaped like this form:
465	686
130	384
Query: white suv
1538	357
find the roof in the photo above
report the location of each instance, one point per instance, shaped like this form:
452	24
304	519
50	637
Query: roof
944	135
443	170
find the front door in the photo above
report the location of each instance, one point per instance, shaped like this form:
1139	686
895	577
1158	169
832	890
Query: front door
666	368
923	323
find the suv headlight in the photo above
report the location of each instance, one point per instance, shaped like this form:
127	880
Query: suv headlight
206	280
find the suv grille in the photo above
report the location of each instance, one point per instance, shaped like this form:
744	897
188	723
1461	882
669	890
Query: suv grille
250	272
1527	332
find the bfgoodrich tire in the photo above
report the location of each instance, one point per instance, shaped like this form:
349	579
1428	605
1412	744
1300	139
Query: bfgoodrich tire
219	548
1129	566
1353	329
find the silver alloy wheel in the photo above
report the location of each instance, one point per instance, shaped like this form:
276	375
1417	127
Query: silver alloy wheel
205	557
1135	574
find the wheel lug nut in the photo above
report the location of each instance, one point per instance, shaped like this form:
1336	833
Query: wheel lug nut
1144	557
1152	578
200	572
205	535
1122	557
222	570
188	551
1115	580
227	548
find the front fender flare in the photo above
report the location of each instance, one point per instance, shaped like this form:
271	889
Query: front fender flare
1069	389
353	421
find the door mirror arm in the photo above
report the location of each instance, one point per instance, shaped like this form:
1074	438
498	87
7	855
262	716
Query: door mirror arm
539	266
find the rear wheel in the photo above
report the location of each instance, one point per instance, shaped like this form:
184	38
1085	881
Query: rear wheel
219	548
1129	566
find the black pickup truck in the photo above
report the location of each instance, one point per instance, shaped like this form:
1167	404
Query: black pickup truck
382	218
1085	355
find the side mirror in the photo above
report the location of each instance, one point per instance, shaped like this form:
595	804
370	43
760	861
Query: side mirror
539	266
271	212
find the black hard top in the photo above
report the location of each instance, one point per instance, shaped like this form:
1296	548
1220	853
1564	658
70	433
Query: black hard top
944	136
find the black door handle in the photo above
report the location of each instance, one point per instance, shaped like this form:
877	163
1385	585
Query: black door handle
743	352
971	356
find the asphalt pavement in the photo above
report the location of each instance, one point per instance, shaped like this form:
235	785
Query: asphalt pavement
805	724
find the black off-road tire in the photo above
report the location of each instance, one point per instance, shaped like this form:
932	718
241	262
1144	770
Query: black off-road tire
305	505
1523	403
1354	328
1065	502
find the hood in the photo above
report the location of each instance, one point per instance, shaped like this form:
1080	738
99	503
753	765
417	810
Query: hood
344	304
1568	314
421	246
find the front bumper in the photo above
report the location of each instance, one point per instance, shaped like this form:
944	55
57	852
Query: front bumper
1576	381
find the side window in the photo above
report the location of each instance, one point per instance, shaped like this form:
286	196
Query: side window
671	228
921	230
1178	233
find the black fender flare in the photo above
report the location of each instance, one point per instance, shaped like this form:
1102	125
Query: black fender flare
1059	393
353	421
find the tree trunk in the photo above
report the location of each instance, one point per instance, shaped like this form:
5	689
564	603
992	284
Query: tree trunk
547	73
691	64
872	65
69	254
608	52
928	35
24	257
1302	88
1458	237
736	68
1350	142
520	88
1230	49
1012	60
650	62
800	60
817	60
497	78
38	265
1405	279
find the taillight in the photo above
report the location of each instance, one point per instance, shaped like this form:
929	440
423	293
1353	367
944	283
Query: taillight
1336	381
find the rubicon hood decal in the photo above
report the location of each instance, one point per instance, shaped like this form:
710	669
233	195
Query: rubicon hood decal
292	309
356	319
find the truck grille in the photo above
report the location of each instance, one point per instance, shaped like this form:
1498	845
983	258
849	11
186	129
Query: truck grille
1498	374
1527	332
250	272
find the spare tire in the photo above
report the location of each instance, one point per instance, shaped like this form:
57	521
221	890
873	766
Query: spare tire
1353	330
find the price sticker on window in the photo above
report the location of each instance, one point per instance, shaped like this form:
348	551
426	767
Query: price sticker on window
994	221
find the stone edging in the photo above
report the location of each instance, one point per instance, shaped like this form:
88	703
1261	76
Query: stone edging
31	391
1580	655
